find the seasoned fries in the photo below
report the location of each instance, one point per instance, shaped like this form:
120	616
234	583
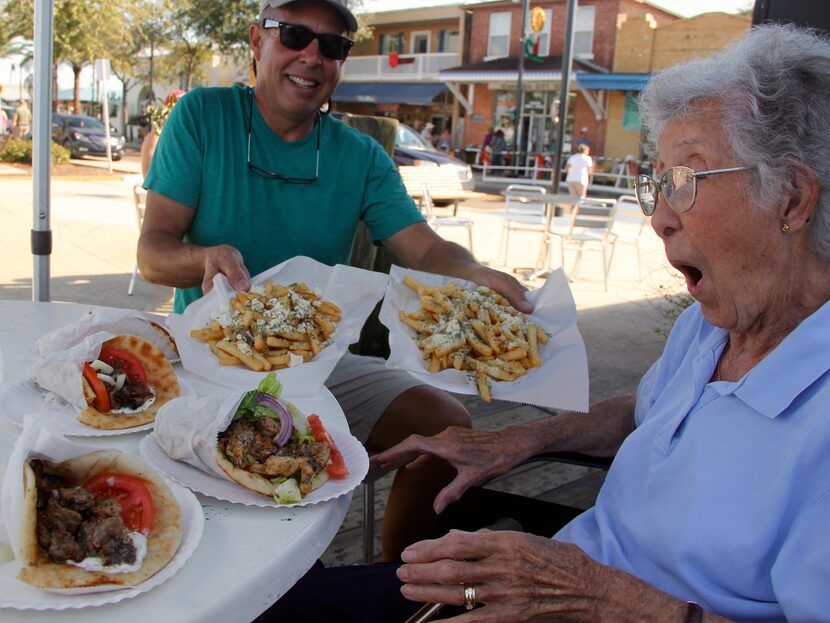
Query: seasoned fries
271	327
478	332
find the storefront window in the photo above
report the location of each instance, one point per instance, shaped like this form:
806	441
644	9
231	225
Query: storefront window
631	112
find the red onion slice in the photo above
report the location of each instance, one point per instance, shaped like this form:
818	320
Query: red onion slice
286	423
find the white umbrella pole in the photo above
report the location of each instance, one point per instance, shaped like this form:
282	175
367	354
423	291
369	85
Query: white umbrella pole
42	149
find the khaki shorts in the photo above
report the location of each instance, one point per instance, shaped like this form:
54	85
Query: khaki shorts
364	387
577	189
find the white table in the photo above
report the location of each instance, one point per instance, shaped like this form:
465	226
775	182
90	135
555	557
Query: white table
248	557
551	201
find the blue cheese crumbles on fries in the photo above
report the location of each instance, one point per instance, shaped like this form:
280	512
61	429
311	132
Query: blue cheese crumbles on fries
271	327
476	331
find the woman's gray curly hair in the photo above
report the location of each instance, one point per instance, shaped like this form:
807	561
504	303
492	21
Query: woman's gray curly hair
773	86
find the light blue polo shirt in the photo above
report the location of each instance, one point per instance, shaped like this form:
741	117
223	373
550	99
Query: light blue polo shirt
722	493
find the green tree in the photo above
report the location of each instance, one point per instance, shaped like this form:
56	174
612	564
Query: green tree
83	31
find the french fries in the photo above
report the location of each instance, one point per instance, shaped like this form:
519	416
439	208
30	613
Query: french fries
271	327
478	332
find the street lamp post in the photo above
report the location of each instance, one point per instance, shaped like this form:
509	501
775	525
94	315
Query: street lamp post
520	94
567	55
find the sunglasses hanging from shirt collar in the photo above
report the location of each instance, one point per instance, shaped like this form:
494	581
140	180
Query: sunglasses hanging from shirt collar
271	174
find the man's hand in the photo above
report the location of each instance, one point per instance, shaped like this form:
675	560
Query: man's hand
227	260
506	285
477	456
419	247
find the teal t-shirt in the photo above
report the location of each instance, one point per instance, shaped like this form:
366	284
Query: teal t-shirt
201	162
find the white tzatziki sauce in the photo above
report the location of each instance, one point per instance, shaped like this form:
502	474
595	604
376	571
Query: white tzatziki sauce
94	563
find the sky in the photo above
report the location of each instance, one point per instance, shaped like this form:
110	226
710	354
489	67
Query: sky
686	8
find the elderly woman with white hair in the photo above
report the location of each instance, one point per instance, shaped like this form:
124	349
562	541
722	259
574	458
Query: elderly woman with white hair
717	504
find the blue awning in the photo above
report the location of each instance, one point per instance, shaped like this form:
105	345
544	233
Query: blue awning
613	82
388	92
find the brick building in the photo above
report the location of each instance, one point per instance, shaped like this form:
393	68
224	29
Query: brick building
488	80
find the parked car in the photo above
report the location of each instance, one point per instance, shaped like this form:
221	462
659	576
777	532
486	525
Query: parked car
412	150
85	136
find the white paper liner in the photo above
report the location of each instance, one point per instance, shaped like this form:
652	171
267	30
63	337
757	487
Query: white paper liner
182	446
21	399
354	290
116	321
38	441
561	382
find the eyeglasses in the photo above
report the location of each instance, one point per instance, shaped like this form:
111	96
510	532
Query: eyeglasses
299	37
270	174
678	186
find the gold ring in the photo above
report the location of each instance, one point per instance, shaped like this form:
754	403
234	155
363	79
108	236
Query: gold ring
469	596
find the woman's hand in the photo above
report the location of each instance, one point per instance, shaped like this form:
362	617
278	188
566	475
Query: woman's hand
522	577
477	456
517	576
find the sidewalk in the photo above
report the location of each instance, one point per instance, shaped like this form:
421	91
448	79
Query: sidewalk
94	237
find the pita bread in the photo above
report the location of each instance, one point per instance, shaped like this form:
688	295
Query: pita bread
160	377
257	482
162	542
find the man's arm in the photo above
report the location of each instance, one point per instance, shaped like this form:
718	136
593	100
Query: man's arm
164	258
422	249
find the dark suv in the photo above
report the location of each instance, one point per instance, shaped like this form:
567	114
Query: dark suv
85	136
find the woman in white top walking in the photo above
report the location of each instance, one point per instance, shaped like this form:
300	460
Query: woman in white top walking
579	168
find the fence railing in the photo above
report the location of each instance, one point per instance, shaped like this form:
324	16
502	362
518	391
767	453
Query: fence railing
612	175
378	69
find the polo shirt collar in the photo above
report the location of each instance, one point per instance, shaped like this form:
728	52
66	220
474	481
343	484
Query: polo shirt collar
795	364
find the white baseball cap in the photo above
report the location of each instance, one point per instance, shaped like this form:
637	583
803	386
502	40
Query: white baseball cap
341	6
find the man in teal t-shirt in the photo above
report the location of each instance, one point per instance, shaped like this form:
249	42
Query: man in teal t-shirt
243	179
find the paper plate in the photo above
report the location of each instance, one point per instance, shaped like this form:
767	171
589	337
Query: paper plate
225	489
24	398
21	596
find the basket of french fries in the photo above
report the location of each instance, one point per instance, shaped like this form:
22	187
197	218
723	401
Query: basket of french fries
467	339
297	320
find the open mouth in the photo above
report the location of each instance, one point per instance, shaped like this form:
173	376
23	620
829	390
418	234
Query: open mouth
693	276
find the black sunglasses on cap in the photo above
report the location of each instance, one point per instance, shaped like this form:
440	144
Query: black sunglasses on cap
298	37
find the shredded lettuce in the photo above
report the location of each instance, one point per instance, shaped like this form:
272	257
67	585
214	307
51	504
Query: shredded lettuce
270	385
287	492
249	408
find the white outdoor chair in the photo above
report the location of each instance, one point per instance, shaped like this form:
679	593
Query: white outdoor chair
521	214
589	224
436	222
629	223
140	198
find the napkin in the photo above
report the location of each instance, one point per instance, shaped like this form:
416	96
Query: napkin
115	321
60	373
354	290
187	429
561	382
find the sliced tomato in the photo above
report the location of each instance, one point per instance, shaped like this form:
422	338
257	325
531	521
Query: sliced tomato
102	398
128	362
137	509
337	468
